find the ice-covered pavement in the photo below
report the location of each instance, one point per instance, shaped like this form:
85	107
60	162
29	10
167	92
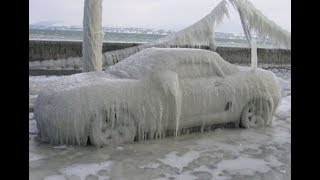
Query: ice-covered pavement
263	153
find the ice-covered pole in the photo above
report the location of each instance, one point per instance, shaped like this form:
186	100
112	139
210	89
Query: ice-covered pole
92	36
254	54
212	44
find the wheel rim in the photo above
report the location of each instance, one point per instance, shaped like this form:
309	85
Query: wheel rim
120	130
255	114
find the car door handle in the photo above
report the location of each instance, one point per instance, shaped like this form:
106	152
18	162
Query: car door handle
217	83
228	106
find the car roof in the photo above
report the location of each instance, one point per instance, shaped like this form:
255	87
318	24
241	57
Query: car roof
158	59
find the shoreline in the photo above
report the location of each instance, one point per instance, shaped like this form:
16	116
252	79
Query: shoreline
40	50
54	52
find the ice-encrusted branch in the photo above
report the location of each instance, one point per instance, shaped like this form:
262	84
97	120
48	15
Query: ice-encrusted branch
199	33
252	19
202	32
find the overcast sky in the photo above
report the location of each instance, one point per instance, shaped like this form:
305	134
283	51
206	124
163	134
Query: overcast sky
164	14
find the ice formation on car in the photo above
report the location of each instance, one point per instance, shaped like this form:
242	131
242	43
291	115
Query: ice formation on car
156	92
152	94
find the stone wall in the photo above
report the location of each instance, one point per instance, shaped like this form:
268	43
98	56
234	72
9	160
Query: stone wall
45	50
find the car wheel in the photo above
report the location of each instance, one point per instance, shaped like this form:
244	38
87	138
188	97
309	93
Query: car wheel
112	132
256	114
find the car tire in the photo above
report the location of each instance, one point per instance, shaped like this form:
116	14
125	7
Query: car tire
122	131
256	114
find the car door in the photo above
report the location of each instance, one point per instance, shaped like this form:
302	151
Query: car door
204	92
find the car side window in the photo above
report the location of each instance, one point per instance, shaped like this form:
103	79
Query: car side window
187	69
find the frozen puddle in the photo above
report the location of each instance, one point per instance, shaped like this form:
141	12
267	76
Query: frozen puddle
222	154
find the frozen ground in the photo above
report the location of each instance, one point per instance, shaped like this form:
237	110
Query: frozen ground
263	153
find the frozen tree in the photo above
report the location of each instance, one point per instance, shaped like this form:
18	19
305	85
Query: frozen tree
202	31
92	36
198	34
252	19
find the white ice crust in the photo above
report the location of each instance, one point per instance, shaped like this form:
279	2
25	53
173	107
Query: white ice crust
153	94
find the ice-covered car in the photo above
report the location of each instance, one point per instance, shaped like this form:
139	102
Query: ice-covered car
153	93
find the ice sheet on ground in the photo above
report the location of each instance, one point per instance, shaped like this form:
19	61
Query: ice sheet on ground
179	162
83	170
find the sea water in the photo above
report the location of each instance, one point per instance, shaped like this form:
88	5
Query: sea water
143	36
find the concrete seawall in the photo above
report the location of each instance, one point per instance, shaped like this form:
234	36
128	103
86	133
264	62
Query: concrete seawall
44	50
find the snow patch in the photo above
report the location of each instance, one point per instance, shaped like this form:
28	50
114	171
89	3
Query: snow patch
55	177
33	127
60	147
120	148
150	165
284	109
31	116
